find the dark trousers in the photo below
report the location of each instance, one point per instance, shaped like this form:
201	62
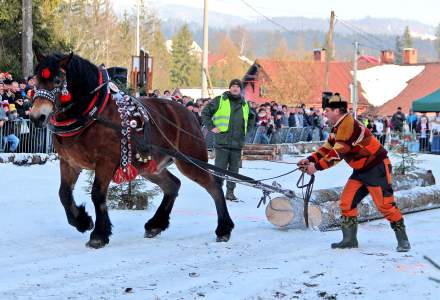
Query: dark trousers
228	159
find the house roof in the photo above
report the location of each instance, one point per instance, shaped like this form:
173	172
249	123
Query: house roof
340	76
425	83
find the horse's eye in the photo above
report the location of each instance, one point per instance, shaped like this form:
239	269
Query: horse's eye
57	81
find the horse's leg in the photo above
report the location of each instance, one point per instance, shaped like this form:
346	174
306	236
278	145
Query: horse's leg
103	227
76	215
212	185
170	186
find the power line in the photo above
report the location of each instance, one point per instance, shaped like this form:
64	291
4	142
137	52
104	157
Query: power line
367	36
266	17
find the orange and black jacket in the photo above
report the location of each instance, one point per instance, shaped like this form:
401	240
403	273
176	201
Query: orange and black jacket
352	141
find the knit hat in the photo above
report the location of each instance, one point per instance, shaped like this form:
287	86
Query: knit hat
236	82
12	107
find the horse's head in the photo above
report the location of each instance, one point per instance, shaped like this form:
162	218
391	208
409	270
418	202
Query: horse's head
51	87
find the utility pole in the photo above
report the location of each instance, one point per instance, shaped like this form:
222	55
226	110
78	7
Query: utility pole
205	52
329	49
138	42
355	83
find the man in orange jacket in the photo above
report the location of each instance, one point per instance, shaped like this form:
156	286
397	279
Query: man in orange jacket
351	141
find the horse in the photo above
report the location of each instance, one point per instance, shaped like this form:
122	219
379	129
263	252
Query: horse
73	99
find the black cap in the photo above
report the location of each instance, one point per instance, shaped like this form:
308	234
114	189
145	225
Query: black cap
236	82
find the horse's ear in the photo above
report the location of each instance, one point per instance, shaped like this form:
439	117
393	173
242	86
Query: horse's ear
64	62
40	57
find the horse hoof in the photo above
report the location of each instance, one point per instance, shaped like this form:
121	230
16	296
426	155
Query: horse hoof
96	244
223	238
151	233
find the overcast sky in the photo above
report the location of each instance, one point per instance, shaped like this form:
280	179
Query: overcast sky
426	11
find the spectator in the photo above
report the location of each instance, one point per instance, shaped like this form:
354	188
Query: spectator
422	128
285	116
196	111
156	93
411	120
292	118
397	120
278	120
299	118
7	125
189	105
167	94
378	130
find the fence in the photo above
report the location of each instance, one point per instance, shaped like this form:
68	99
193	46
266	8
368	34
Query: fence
30	138
39	140
260	135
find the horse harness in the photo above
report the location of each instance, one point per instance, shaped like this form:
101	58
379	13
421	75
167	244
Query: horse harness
135	122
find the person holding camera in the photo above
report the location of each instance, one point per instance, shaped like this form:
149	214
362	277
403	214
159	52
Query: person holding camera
351	141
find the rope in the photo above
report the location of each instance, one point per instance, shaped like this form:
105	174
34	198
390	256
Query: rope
256	183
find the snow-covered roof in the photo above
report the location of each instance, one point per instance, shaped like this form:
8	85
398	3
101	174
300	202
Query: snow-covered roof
384	82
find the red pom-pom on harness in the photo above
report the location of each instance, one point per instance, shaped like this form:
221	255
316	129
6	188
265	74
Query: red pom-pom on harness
65	98
126	174
45	73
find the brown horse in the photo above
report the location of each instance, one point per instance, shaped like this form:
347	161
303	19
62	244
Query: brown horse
74	100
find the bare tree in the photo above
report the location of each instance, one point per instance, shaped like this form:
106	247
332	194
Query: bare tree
293	82
26	39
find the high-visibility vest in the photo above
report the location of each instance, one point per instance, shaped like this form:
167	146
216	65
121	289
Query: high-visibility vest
223	114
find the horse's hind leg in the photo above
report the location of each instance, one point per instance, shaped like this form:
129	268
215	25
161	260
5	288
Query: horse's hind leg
76	215
170	186
212	185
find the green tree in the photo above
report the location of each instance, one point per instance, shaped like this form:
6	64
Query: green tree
407	39
45	38
185	66
398	50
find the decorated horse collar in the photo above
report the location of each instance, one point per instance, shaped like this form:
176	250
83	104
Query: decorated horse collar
76	125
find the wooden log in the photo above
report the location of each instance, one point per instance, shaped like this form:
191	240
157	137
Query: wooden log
413	192
259	157
258	152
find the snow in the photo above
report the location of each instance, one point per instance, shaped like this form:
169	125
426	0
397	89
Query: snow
383	83
42	257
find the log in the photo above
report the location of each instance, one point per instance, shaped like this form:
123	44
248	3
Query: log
258	152
260	157
413	192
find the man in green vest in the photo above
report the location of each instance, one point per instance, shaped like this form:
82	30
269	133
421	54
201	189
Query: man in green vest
229	117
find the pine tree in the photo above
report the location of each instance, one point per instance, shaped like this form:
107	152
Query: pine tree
398	51
131	195
184	64
407	39
45	39
437	41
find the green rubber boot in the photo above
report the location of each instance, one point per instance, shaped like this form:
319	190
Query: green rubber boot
349	231
402	239
230	195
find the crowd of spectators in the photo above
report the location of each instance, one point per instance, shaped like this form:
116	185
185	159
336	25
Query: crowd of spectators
15	106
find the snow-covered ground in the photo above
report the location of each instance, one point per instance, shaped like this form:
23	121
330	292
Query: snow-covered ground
42	257
383	83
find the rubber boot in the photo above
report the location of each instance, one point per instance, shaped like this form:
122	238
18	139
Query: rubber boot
402	239
230	195
349	231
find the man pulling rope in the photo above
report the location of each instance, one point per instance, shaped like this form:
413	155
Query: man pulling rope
352	141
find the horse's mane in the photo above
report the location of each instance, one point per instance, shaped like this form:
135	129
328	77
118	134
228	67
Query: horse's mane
82	77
